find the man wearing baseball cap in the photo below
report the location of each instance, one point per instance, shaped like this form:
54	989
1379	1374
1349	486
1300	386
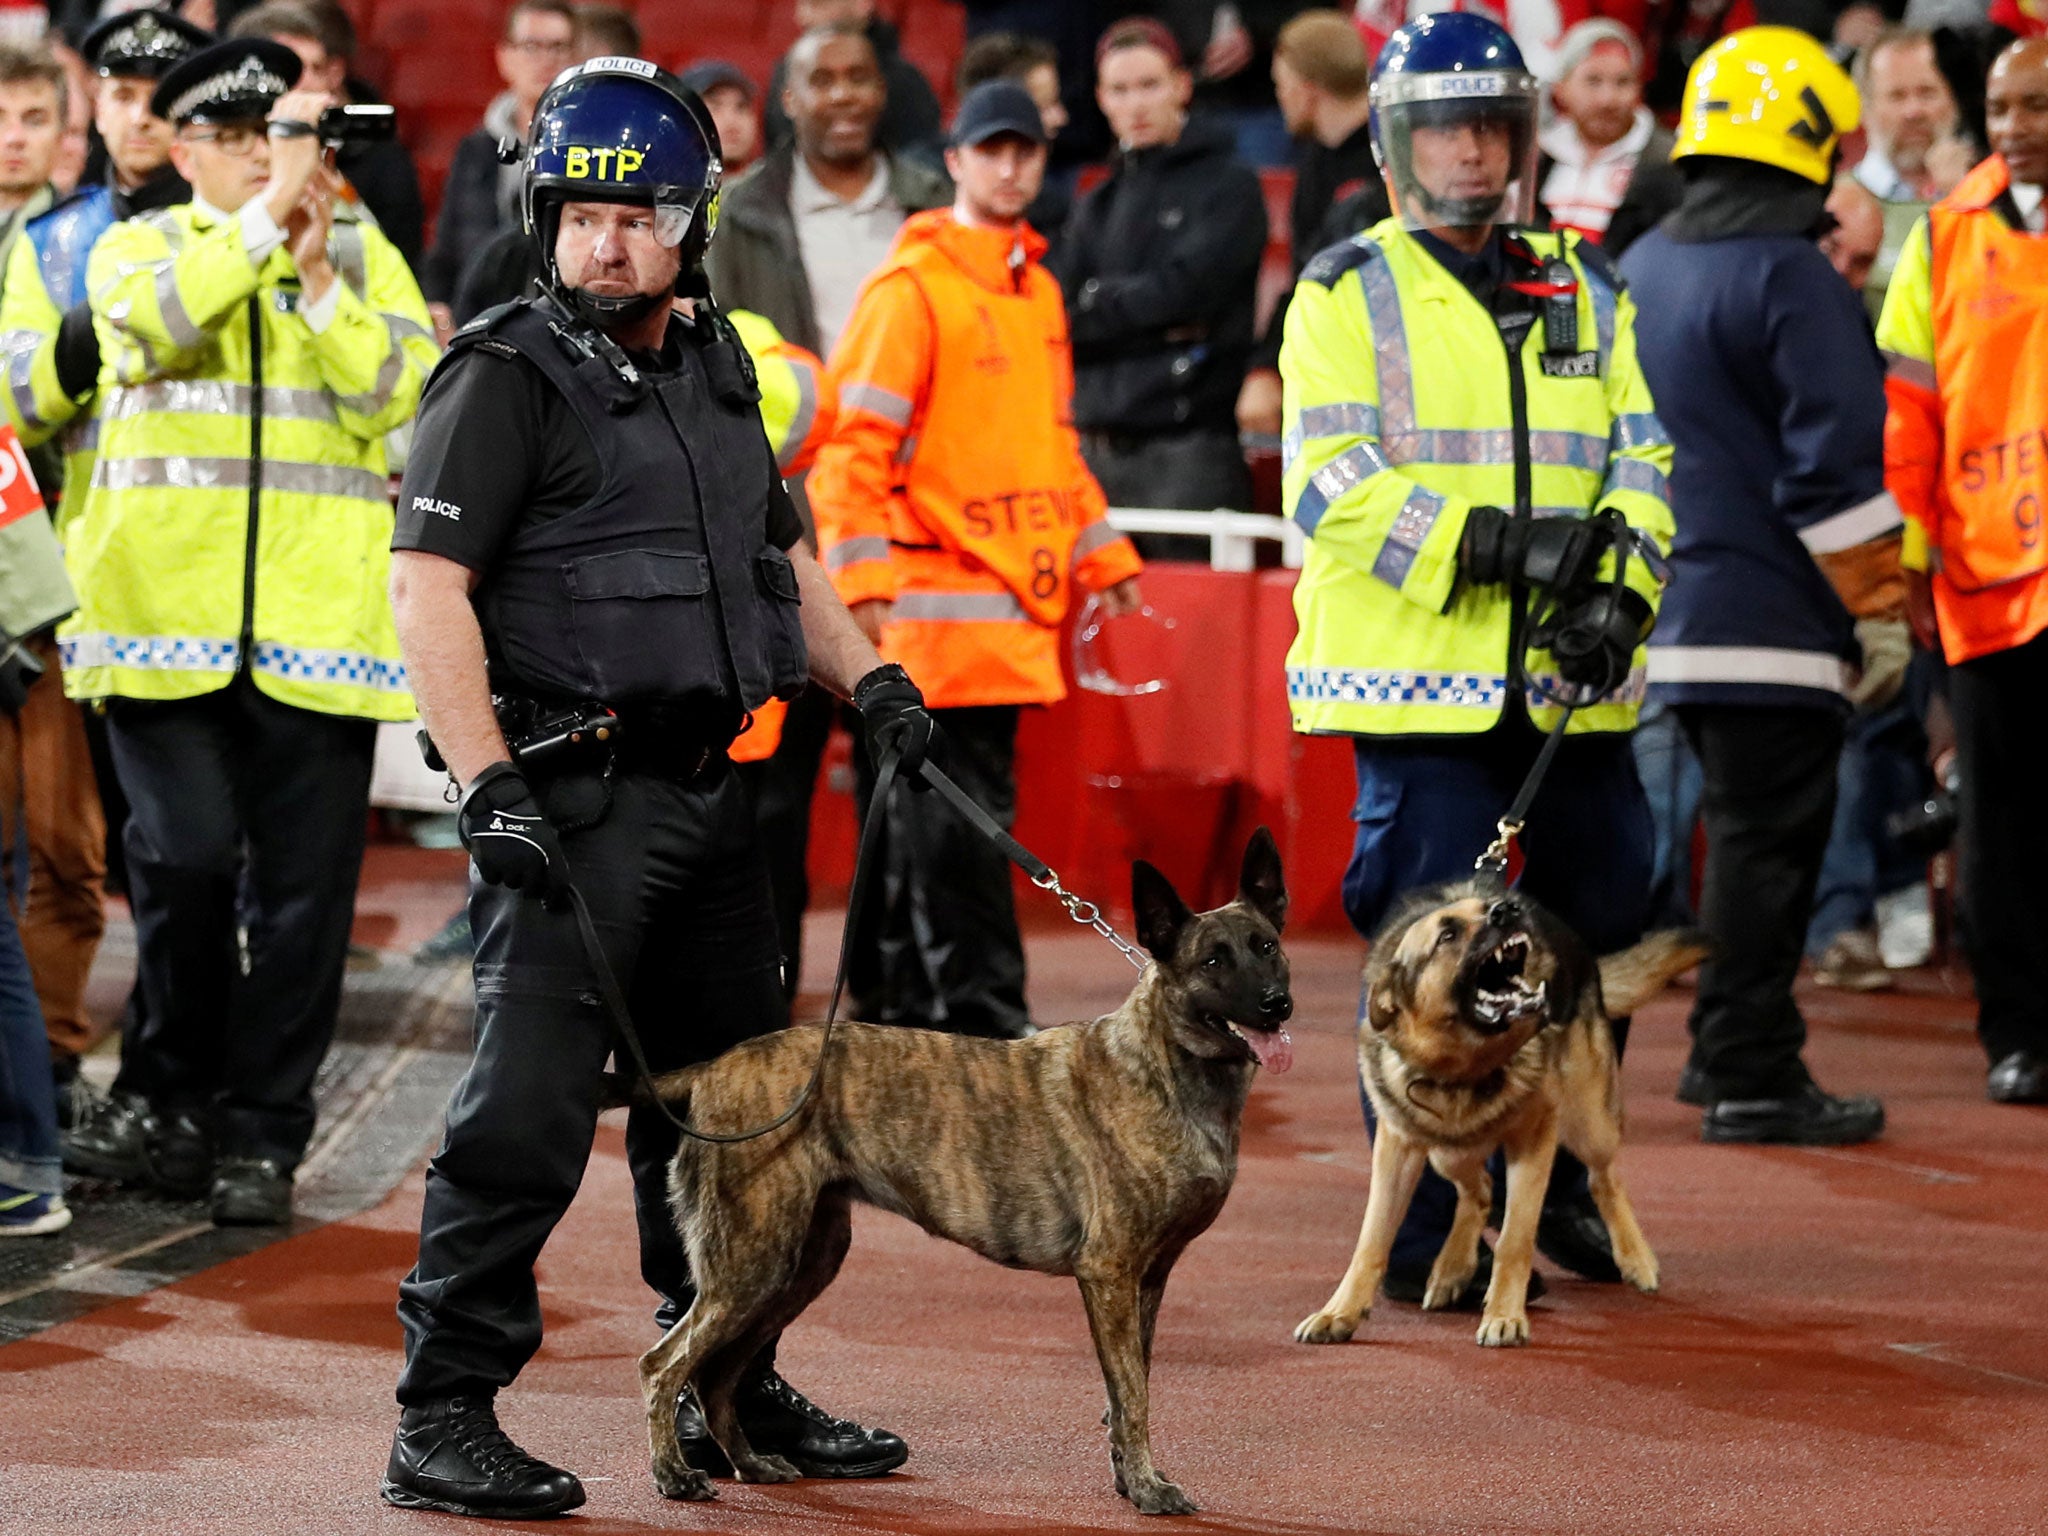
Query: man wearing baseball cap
958	549
256	345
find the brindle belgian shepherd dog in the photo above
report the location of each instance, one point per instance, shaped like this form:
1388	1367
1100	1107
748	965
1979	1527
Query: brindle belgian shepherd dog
1487	1025
1099	1151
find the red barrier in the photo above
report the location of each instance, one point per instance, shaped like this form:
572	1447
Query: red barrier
1179	776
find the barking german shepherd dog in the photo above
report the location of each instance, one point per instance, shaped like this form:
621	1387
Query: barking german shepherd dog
1098	1151
1487	1025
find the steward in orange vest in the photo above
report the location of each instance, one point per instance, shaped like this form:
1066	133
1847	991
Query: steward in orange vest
955	516
1965	334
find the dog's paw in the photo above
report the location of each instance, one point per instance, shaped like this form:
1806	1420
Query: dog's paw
1504	1332
768	1469
1159	1497
685	1483
1640	1272
1328	1327
1444	1290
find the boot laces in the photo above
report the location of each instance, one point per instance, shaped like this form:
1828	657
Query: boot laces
780	1392
489	1448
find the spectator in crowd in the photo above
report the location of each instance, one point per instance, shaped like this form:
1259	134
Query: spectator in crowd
241	681
1760	360
1911	120
481	196
1230	44
52	358
1034	65
1323	79
797	236
1160	266
379	171
1602	130
606	31
969	604
729	95
910	122
1963	330
1071	31
32	92
35	594
76	147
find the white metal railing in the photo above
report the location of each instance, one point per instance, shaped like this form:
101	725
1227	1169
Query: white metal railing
1231	535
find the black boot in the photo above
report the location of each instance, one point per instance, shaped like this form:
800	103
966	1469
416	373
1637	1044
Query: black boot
780	1421
107	1137
451	1456
178	1152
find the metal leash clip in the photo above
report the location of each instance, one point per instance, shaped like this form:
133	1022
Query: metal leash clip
1495	860
1088	915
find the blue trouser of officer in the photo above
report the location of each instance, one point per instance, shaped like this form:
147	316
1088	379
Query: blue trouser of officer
1426	809
678	891
245	816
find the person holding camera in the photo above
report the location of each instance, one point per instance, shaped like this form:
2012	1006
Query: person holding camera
1472	450
598	574
230	556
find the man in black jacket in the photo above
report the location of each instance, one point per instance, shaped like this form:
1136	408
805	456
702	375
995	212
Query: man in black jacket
1160	265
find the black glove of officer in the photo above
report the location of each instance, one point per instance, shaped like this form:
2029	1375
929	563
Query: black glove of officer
1593	639
19	669
508	835
892	710
1559	554
78	350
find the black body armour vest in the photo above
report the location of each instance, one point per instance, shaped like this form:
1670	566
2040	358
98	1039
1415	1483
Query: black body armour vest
646	594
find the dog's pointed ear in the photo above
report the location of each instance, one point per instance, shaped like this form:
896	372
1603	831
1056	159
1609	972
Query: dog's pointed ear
1161	914
1259	883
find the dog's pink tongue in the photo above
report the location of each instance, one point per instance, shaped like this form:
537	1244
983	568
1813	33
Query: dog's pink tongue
1275	1051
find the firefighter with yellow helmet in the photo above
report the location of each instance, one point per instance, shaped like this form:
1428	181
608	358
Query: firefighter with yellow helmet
1787	551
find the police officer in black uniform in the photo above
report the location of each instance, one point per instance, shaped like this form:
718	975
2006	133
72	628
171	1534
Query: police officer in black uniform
597	573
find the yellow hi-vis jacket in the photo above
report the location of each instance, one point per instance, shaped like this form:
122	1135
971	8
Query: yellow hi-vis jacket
1400	416
227	526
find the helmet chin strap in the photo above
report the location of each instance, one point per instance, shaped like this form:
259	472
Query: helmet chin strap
607	312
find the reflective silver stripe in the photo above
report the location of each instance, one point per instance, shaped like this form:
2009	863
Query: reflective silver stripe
1342	473
1417	516
217	397
872	397
1910	370
806	414
83	433
907	449
177	324
1748	664
1604	306
406	329
854	551
1389	340
21	364
380	394
1092	538
1867	520
182	473
349	258
1638	429
1638	475
155	653
1345	685
1349	419
992	607
1459	445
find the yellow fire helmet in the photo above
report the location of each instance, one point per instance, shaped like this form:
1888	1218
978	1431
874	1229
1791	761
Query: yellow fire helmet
1769	94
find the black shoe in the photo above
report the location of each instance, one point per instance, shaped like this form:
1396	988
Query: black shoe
780	1421
107	1138
451	1456
1809	1118
2021	1078
1410	1285
251	1192
1693	1087
178	1153
1572	1235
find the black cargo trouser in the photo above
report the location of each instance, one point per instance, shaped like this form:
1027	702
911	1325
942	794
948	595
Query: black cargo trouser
1768	800
679	894
246	817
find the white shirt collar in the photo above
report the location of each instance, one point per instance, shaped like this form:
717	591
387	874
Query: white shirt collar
2028	198
809	195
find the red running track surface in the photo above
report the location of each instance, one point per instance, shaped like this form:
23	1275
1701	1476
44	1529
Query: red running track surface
1847	1343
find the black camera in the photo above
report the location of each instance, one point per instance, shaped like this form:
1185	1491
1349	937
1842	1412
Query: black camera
1921	831
352	124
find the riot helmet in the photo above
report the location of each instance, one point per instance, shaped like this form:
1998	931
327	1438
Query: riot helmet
1450	94
619	130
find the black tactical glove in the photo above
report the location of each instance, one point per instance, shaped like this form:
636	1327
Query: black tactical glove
1593	639
1559	554
78	350
19	669
508	835
893	712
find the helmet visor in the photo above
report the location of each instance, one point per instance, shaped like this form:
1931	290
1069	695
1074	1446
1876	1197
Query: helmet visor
1459	148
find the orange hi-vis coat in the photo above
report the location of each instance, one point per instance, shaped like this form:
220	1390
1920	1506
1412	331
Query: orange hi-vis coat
953	485
1965	337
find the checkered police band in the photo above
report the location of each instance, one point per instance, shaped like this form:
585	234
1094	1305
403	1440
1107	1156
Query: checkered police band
247	90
